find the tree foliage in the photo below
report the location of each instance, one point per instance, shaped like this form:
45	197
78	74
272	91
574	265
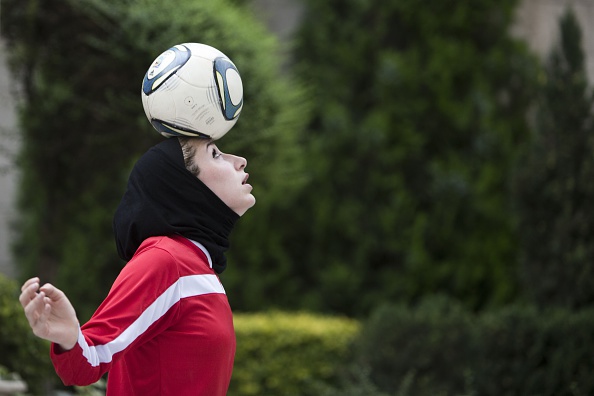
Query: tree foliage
401	187
419	110
554	183
82	63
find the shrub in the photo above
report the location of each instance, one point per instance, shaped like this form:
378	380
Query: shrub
427	350
526	351
289	354
20	351
437	348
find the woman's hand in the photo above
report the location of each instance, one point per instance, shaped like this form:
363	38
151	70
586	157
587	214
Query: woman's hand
50	314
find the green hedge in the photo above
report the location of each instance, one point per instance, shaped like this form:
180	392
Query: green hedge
435	348
536	352
438	348
20	351
289	354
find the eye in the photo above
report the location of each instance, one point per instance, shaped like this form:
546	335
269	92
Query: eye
215	153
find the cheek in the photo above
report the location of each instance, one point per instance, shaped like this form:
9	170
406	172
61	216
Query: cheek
218	180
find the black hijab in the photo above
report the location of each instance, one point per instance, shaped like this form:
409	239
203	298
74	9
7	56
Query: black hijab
163	198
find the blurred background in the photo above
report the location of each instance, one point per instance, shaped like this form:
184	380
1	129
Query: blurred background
424	175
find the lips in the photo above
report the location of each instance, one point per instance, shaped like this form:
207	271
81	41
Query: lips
247	175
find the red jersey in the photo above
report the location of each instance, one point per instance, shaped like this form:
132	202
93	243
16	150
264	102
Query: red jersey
165	327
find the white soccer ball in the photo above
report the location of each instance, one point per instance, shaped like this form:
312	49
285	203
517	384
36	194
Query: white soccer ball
192	90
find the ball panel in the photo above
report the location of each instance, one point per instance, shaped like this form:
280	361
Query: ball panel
203	50
161	104
202	79
161	79
164	67
235	86
221	86
169	130
224	68
238	112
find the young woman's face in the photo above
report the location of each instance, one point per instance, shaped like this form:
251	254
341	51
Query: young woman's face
224	174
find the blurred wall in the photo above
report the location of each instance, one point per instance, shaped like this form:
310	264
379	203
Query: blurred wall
538	23
8	148
281	16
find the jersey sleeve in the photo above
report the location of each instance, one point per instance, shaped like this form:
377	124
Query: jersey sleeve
143	301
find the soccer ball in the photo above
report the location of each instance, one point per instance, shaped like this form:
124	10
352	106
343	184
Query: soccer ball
192	90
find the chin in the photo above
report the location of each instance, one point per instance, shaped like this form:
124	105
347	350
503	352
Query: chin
251	204
244	209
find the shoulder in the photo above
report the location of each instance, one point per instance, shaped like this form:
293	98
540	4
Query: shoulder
166	253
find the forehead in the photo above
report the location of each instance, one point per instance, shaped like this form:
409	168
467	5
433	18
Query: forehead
201	144
202	147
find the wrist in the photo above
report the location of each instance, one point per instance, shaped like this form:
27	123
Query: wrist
71	341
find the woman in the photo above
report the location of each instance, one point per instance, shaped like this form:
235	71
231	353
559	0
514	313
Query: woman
165	327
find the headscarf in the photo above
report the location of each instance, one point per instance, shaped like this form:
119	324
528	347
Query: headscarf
163	198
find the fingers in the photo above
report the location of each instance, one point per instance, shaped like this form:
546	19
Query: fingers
34	308
29	282
51	291
35	302
38	312
46	310
28	291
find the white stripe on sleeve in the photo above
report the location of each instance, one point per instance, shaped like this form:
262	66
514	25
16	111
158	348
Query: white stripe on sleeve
186	286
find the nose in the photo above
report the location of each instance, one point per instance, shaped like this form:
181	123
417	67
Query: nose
240	162
243	163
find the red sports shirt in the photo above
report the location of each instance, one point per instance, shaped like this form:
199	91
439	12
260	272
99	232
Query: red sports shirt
165	327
